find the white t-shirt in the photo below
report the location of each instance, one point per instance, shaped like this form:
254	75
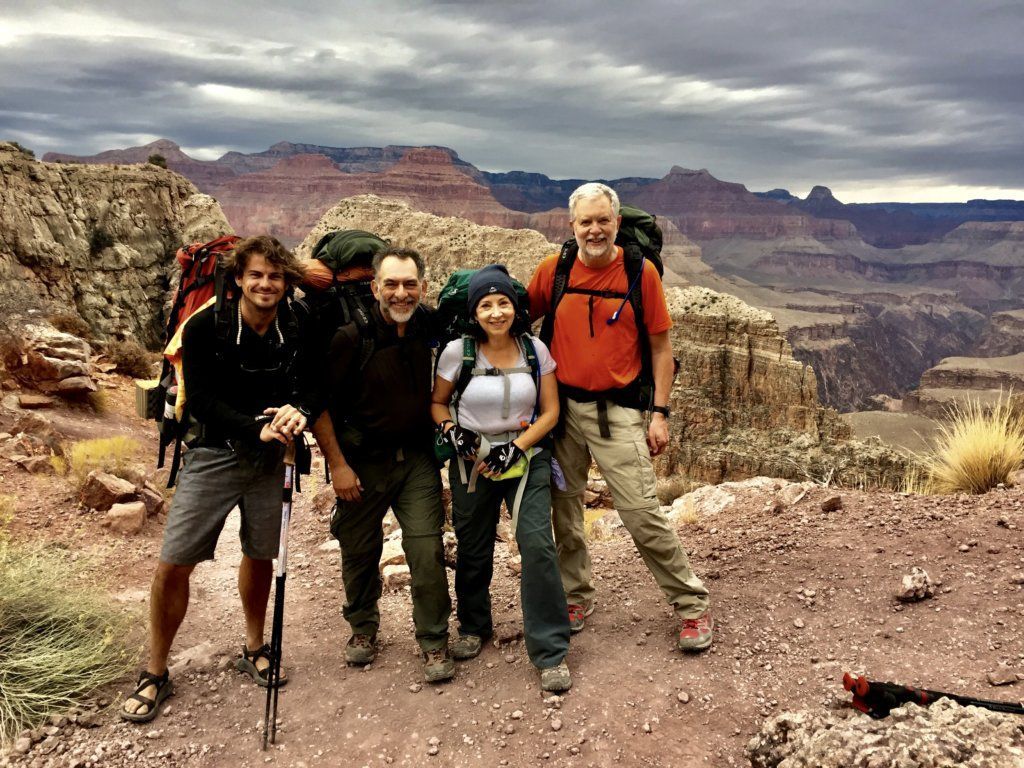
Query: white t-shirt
481	404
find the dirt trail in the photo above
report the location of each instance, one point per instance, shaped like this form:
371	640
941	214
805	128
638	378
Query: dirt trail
799	595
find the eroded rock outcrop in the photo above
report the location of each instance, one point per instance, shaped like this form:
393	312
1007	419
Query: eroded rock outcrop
206	175
1004	335
956	380
446	243
290	198
50	361
944	734
97	241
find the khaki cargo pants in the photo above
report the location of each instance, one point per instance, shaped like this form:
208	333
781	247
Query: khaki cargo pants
625	464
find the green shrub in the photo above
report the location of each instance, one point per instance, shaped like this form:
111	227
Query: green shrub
60	640
158	160
24	150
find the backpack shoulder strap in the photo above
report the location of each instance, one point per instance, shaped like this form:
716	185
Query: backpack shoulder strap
465	372
635	262
566	260
530	353
356	312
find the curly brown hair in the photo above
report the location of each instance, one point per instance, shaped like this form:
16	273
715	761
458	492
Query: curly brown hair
272	250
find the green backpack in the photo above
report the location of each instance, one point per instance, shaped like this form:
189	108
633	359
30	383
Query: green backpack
345	300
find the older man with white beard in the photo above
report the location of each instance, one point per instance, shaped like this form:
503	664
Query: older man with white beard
596	340
376	436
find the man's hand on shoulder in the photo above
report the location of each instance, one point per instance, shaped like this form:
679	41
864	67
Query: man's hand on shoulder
657	434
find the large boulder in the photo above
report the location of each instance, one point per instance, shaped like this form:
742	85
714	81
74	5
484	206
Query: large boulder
51	361
126	518
944	734
102	490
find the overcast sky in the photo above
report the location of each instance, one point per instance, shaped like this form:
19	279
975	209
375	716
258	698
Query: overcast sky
877	99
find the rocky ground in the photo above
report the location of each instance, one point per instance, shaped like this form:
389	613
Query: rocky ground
800	595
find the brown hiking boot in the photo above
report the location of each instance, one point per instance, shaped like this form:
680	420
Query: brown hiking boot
361	650
438	666
696	634
578	615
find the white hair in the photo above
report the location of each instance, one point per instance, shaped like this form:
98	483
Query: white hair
590	190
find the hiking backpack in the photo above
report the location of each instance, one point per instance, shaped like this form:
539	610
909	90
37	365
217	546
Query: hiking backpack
202	279
336	290
640	238
453	321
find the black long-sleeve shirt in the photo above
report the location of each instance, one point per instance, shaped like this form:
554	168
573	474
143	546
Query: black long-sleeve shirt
385	405
229	382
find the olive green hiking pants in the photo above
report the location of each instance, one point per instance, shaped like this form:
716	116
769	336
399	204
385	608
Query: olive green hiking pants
625	463
411	485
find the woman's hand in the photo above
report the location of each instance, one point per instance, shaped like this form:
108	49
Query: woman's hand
500	460
466	442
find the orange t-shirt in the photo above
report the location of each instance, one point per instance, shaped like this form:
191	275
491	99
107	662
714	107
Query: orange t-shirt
591	354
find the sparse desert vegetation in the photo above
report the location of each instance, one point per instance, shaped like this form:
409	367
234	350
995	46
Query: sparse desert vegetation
57	646
109	454
131	358
975	451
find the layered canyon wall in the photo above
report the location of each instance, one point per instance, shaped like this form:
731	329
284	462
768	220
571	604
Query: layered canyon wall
96	241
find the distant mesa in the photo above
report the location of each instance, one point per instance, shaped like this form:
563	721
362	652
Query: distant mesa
706	208
206	175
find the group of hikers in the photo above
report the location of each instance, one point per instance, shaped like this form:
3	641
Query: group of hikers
518	418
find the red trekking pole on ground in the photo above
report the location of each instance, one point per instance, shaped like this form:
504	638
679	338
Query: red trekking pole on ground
274	671
878	699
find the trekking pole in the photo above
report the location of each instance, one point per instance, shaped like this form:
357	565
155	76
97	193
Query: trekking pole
274	671
878	699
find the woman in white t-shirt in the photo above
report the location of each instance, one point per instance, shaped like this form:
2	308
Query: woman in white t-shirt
496	427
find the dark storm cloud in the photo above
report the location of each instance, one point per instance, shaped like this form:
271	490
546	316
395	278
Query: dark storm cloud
780	94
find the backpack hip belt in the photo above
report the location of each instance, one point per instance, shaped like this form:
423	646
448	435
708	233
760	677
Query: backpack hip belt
638	396
486	442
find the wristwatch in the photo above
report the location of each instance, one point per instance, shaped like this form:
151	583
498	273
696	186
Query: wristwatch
662	409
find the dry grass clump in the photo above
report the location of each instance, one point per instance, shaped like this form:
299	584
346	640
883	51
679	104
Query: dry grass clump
976	451
6	510
69	322
59	639
131	358
108	454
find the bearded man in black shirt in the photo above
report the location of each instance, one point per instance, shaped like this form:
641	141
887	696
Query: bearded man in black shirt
376	436
242	409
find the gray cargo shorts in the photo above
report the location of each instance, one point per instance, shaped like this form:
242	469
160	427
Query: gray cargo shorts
212	482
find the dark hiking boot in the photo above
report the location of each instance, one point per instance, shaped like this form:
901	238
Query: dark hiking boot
556	679
467	647
438	666
361	650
